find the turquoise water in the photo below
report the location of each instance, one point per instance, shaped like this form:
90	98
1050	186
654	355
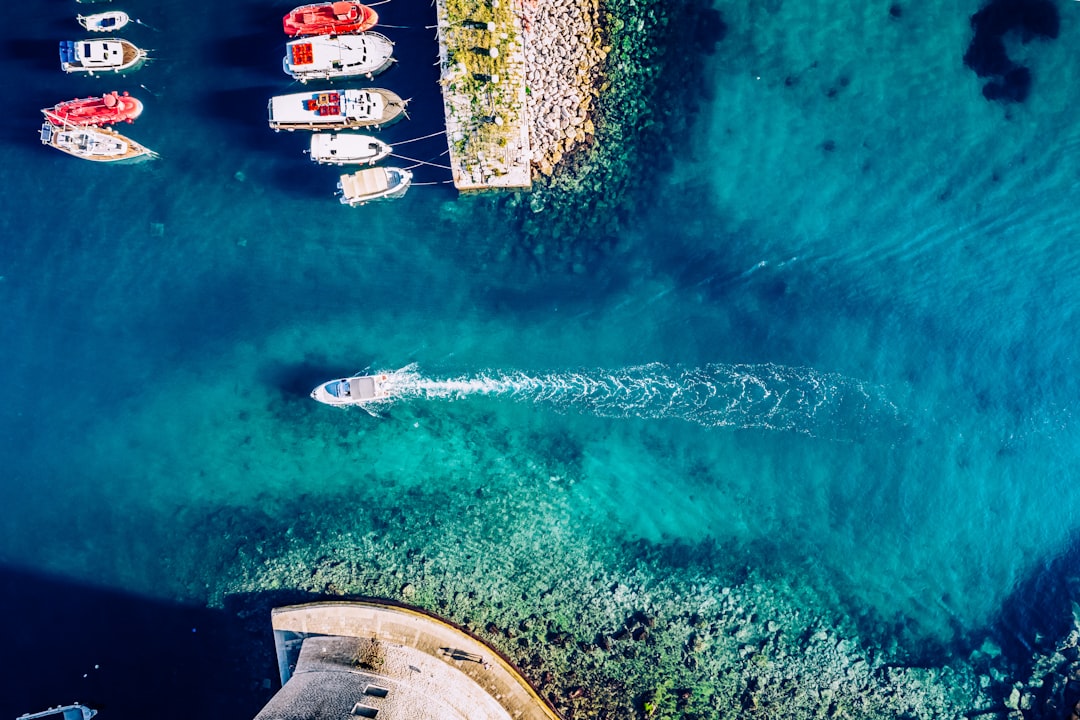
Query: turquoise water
847	225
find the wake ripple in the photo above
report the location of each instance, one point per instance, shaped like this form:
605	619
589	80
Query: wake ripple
764	396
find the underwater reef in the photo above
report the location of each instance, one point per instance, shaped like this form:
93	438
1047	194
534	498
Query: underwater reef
987	54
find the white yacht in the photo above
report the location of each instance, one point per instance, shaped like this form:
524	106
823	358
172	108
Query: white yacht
98	144
99	56
360	390
347	149
335	109
325	57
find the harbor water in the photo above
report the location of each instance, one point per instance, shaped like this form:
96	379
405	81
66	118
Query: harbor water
829	343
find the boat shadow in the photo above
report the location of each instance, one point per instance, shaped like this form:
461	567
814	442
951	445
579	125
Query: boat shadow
244	106
298	379
99	643
33	54
253	51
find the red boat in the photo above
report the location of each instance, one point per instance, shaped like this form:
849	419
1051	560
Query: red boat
107	109
332	18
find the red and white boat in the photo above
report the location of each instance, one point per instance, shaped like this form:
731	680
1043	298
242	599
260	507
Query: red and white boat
104	109
332	18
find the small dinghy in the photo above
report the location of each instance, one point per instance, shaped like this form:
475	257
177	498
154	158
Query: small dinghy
347	149
332	18
104	22
114	55
105	109
377	183
94	143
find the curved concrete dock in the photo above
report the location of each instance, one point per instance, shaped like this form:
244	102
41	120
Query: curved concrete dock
391	662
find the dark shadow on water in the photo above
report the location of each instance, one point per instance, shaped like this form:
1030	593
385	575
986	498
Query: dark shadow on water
128	656
255	50
33	54
296	380
1037	615
238	105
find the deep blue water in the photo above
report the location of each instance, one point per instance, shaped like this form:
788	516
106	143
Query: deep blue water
849	214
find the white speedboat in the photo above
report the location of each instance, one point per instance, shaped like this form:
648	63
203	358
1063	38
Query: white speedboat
99	56
361	390
347	149
377	183
75	711
324	57
104	22
93	143
335	109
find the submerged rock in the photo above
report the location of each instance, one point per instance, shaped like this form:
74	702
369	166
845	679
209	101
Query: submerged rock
987	55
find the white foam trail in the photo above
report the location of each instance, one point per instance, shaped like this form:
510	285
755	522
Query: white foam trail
763	396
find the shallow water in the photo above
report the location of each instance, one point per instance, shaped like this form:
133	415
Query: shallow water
850	214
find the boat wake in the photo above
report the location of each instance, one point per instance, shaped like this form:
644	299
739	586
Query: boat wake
766	396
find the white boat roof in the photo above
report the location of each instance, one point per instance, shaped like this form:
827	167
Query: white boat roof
365	183
358	104
99	53
328	52
345	145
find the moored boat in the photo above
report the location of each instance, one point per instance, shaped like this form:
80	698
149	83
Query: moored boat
333	56
347	149
94	143
335	109
376	183
105	109
105	21
114	55
359	390
329	19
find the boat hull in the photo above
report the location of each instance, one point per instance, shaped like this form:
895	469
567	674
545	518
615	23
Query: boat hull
373	184
331	57
93	57
104	22
102	145
372	108
107	109
347	149
358	391
332	18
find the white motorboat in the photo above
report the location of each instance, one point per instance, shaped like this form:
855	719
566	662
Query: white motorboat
335	109
347	149
93	143
361	390
75	711
104	22
100	56
324	57
377	183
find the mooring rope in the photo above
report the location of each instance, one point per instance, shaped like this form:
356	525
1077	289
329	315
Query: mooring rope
425	137
419	162
433	182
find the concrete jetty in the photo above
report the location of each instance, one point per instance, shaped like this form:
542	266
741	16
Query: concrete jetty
368	659
482	73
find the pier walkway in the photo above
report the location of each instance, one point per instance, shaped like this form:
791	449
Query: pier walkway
482	74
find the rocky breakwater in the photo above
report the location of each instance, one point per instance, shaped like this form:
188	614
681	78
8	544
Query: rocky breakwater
564	54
